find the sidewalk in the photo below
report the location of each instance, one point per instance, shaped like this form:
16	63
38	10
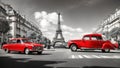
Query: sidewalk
2	51
117	50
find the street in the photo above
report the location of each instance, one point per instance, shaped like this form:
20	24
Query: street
61	58
35	25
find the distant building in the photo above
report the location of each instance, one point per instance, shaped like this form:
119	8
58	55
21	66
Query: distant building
111	26
3	15
20	27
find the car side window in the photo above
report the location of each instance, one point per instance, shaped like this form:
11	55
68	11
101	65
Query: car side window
99	38
18	41
93	38
86	38
12	41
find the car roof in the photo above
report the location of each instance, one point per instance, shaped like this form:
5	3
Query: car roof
94	34
17	38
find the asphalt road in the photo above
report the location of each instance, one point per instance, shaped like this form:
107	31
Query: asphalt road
61	58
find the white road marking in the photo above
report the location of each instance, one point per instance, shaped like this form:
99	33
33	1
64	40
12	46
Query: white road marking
95	56
80	56
116	56
87	56
103	56
73	56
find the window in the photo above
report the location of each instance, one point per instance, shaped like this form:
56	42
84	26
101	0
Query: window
99	38
94	38
26	40
86	38
18	41
12	41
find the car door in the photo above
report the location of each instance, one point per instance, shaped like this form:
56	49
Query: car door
18	45
12	44
95	43
85	42
102	40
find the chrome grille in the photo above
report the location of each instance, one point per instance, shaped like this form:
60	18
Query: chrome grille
36	48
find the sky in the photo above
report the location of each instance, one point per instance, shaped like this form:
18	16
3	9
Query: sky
78	17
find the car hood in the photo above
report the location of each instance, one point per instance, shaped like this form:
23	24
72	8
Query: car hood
32	44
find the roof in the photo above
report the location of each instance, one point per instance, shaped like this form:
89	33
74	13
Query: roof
17	38
95	34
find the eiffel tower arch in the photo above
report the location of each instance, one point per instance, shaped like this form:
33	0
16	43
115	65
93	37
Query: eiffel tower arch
58	36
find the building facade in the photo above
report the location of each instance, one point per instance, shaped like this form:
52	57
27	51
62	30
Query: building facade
3	16
20	27
110	27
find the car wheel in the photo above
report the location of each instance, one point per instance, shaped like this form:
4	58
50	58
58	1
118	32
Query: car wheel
7	50
73	47
105	50
27	51
39	52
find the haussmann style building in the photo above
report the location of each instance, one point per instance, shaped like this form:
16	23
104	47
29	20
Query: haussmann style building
19	26
110	27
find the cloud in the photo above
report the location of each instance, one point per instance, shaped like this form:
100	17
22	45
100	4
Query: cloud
93	29
47	17
53	18
79	29
65	27
37	15
44	23
48	25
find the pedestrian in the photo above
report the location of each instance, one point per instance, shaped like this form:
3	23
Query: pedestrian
49	44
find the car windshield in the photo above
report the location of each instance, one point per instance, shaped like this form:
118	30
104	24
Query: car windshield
99	38
26	40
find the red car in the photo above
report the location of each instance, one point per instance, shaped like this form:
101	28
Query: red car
92	41
22	45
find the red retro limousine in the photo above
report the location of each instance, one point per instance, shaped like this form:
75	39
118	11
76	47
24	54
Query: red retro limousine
22	45
92	41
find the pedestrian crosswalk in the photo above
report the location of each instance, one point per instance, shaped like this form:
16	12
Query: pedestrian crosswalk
94	56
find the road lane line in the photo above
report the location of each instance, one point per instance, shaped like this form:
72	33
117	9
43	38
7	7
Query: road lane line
73	56
80	56
86	56
116	57
107	56
96	56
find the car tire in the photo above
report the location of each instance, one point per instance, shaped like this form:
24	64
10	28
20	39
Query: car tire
73	48
39	52
27	51
7	50
106	50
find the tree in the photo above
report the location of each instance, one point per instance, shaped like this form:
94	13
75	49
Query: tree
4	26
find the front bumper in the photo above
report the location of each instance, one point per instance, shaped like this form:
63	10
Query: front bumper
37	48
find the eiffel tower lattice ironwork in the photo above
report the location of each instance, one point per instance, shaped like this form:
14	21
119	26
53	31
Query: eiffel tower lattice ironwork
58	37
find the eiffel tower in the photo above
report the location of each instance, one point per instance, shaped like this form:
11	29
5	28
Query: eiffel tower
58	36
